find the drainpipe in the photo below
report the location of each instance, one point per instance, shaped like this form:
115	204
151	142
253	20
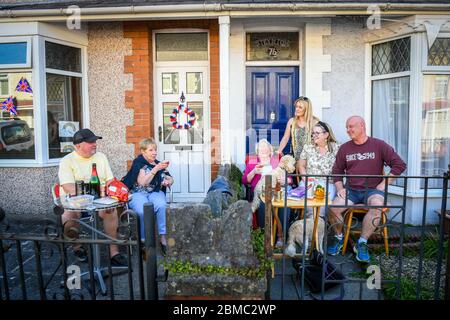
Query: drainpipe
218	9
224	56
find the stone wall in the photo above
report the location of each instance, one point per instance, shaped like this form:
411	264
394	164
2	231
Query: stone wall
195	237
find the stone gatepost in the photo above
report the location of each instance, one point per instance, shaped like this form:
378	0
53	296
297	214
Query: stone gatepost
212	258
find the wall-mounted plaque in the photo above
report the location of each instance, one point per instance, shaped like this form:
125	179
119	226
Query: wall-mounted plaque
272	46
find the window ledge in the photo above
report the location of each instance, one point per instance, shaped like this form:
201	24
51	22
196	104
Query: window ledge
432	193
28	165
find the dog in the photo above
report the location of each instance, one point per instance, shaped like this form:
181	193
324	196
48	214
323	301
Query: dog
296	235
287	163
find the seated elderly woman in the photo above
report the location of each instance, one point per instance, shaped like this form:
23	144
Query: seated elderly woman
318	156
148	180
256	168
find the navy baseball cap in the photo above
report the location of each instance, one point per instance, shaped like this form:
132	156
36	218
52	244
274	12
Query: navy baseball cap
84	135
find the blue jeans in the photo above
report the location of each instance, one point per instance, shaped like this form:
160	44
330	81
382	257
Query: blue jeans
159	202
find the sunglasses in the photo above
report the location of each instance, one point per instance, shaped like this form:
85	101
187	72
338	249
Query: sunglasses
303	98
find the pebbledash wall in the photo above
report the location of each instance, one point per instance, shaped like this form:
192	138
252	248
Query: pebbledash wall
345	82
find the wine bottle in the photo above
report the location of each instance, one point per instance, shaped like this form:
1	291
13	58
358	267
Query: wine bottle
94	182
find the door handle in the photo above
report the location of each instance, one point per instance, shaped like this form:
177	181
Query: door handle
160	133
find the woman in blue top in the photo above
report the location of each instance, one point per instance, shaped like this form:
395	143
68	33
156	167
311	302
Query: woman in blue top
148	180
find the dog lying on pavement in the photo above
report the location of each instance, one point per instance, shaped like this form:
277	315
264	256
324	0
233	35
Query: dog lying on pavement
296	235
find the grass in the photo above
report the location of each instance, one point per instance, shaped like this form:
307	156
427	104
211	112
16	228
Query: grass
359	275
407	290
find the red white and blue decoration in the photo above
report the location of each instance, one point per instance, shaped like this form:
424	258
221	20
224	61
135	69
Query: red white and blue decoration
23	86
184	109
8	106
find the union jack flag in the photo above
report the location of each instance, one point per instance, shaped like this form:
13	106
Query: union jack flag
23	86
8	106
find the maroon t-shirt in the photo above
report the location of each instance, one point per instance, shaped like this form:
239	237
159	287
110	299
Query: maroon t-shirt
368	158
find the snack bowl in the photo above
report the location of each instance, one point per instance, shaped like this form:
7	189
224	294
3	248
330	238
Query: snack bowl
80	202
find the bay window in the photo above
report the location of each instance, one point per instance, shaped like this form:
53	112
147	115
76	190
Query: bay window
38	119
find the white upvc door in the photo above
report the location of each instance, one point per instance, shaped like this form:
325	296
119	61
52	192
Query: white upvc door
188	150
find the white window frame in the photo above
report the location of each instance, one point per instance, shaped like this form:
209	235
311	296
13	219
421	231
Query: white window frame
39	86
27	63
424	64
192	63
84	97
392	189
424	70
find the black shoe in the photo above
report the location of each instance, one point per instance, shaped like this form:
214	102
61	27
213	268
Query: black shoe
80	254
163	249
119	260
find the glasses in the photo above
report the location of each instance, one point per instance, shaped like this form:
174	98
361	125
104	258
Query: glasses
316	133
303	98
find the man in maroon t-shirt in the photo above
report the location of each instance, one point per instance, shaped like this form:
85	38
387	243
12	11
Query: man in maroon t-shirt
362	155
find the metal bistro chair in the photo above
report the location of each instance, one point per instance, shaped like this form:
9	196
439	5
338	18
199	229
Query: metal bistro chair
363	211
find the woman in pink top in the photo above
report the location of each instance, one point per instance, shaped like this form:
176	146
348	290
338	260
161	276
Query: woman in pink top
256	168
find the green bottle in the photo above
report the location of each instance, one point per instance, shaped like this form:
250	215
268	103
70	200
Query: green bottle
94	182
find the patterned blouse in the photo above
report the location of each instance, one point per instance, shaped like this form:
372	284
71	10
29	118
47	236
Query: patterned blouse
317	163
299	139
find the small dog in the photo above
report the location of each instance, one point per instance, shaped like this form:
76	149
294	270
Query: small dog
287	163
296	235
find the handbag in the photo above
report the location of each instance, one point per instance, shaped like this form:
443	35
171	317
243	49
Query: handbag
313	272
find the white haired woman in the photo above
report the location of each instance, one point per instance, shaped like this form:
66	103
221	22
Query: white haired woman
256	168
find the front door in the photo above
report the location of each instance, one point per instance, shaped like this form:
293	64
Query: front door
184	147
271	92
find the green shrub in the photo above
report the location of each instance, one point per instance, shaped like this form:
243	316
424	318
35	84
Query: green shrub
236	180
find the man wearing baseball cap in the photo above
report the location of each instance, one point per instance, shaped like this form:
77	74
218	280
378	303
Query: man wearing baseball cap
76	166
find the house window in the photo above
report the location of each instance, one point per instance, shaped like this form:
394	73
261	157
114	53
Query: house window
16	116
15	53
439	54
391	57
4	86
64	99
61	57
182	46
390	95
435	143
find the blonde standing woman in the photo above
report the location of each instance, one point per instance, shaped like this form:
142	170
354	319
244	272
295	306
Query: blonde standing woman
299	129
